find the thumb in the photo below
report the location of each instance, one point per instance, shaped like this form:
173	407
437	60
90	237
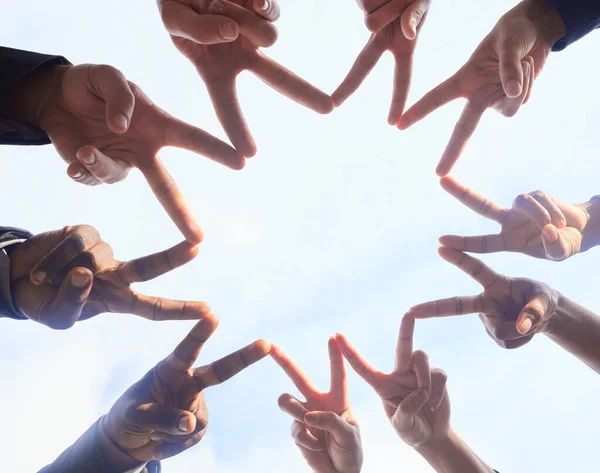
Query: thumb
561	244
403	419
510	53
343	432
112	87
412	17
166	420
531	315
65	309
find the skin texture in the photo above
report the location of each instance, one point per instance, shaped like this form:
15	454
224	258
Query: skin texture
64	276
103	125
537	225
395	26
324	426
512	310
499	74
219	65
414	395
164	413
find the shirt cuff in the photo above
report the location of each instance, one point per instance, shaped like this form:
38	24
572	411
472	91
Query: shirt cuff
580	17
7	305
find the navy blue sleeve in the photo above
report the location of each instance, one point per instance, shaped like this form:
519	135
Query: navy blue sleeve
14	65
580	18
10	237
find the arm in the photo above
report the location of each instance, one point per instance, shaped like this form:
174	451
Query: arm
453	455
26	81
580	17
93	452
577	330
9	239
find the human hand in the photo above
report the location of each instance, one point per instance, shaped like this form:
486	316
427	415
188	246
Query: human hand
499	74
395	26
324	428
67	275
538	224
512	310
164	413
103	125
406	390
220	64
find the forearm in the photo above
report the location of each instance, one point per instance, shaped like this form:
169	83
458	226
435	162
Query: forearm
453	455
591	232
93	452
577	330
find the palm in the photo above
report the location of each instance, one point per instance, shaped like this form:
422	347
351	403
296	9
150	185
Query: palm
330	451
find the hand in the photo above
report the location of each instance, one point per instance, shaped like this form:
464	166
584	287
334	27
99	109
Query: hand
512	310
538	224
164	413
324	428
220	64
68	275
406	390
498	75
103	125
188	19
395	25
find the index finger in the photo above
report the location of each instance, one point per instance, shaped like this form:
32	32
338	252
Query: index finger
402	77
359	364
472	266
187	352
290	85
464	129
172	200
384	15
294	372
475	201
404	349
227	367
339	383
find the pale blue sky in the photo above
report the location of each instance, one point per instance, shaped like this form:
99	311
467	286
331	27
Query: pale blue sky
333	226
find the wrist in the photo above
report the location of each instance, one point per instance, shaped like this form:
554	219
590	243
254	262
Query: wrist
26	100
591	231
438	447
548	22
113	453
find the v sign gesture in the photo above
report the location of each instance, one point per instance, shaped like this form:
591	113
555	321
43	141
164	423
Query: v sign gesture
513	310
324	428
407	389
164	413
395	25
220	64
538	224
499	74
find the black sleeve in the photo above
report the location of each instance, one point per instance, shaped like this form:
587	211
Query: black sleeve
580	18
14	65
86	456
9	237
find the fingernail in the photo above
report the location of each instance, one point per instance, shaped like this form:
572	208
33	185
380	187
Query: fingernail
77	175
266	6
526	325
549	233
217	7
227	31
184	424
80	280
121	121
40	276
513	88
89	159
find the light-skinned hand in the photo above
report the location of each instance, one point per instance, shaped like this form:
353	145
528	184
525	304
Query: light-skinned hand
324	427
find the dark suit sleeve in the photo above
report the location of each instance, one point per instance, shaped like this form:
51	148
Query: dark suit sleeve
14	65
9	237
580	18
93	452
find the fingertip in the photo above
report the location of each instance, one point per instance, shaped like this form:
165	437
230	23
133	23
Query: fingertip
38	277
524	325
119	124
187	423
81	278
513	89
550	233
263	347
337	98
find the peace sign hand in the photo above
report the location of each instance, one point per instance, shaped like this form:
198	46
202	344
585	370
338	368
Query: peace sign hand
513	310
406	390
324	428
164	413
499	74
395	25
103	125
538	225
68	275
220	64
